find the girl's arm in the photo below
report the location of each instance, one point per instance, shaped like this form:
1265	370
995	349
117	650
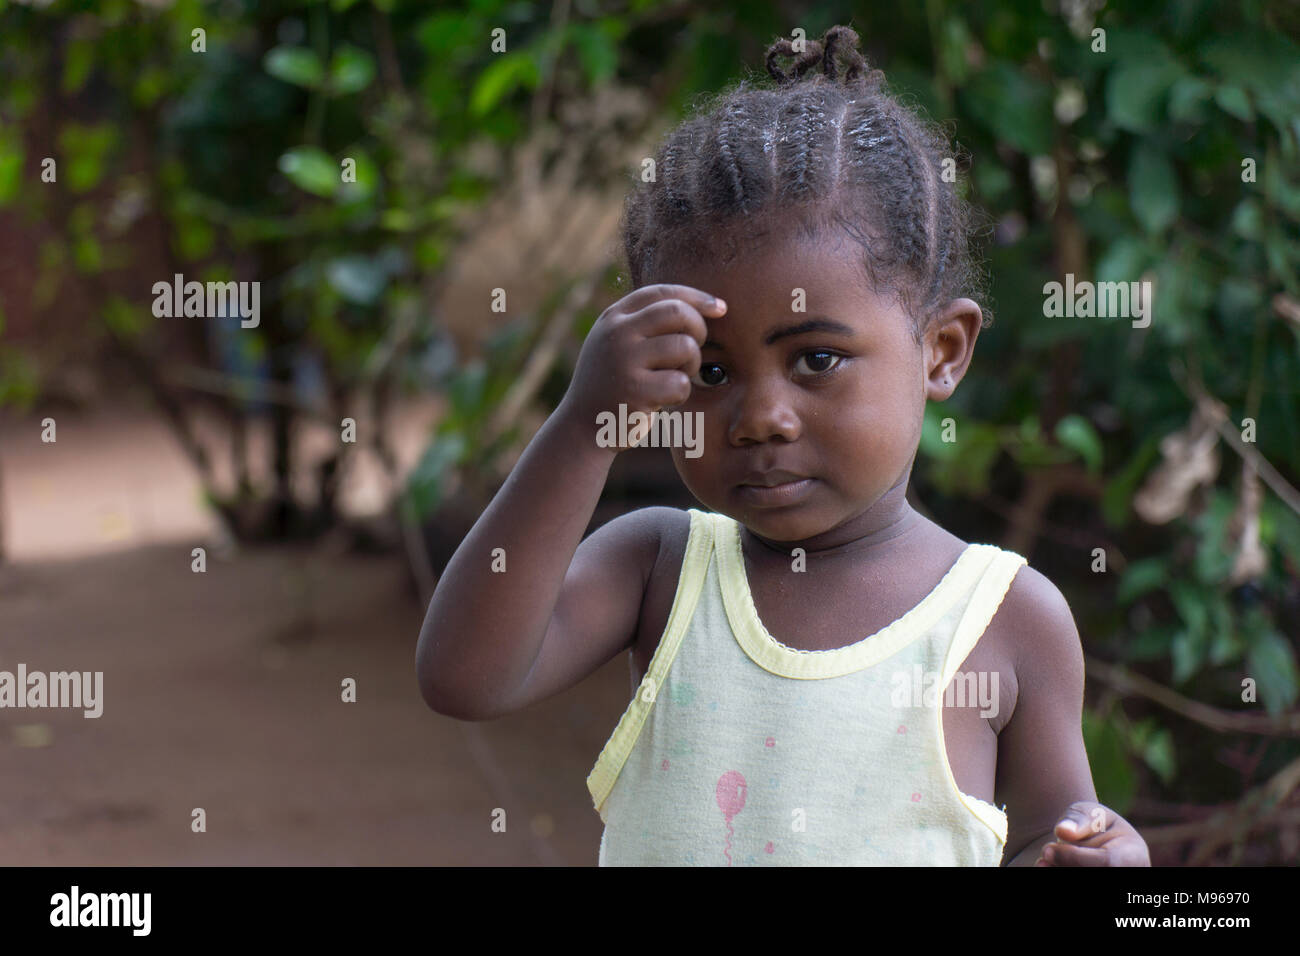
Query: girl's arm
1043	775
485	627
552	612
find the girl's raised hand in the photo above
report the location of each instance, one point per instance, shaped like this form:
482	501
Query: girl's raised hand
642	352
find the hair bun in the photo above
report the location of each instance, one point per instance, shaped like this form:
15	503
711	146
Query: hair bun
838	44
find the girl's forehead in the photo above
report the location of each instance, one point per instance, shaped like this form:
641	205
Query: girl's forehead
776	278
764	264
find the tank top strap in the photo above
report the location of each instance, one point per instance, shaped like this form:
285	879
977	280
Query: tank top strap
690	583
999	570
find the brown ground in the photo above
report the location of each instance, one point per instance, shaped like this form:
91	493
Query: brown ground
222	690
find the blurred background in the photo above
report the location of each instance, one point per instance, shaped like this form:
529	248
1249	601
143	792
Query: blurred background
433	224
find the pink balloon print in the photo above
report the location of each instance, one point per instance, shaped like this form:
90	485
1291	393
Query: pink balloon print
730	794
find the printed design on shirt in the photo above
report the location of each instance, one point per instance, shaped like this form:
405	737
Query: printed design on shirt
682	693
730	794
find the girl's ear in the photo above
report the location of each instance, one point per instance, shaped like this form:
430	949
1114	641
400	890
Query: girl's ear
948	345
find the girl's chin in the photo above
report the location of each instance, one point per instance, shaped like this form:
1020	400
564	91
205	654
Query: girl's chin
788	525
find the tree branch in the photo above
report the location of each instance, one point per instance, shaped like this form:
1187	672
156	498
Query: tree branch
1221	721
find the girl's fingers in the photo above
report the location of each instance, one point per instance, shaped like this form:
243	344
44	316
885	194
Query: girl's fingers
646	295
1063	854
668	316
1084	820
667	387
671	351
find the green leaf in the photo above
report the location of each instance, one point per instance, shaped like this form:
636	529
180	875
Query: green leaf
1234	101
19	383
450	37
1282	193
597	51
1189	601
78	60
86	148
351	70
1136	90
1142	577
1189	650
1076	433
1187	99
954	40
367	178
1214	552
428	479
311	169
1159	755
1153	188
125	319
962	466
295	64
1265	63
932	443
1117	498
1279	525
1108	759
1271	661
1016	107
467	392
1151	644
1248	220
507	72
1124	260
1138	84
87	254
150	84
11	167
359	279
194	238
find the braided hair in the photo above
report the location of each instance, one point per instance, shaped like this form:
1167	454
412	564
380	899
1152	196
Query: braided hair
823	149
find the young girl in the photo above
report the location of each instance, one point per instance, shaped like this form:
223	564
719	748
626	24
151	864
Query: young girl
799	264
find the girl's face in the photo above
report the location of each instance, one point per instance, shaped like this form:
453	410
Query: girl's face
811	418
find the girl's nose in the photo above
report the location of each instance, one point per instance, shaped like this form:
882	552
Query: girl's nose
762	412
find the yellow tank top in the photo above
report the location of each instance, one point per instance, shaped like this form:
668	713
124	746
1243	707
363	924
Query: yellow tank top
738	750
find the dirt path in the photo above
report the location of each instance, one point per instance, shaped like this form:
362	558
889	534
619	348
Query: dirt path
222	691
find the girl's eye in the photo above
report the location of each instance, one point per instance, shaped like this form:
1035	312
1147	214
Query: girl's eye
820	362
815	363
710	375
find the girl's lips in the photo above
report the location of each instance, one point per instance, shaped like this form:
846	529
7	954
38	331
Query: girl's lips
775	496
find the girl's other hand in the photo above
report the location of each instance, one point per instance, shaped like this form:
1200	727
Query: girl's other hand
642	352
1090	834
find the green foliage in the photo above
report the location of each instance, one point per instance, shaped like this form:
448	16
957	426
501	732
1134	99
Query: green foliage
312	169
1109	759
1151	140
295	65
